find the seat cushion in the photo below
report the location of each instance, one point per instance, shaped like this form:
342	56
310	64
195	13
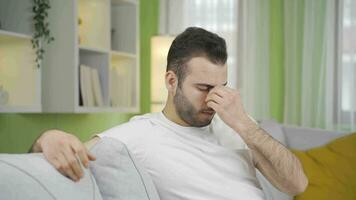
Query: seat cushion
118	174
331	170
31	177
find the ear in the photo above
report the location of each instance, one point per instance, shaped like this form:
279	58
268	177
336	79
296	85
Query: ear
171	82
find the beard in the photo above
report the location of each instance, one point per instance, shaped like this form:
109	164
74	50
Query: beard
188	113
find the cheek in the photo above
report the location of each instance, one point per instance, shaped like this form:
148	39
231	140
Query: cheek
198	98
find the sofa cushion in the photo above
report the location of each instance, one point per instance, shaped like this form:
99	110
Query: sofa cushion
31	177
274	129
330	170
303	138
118	174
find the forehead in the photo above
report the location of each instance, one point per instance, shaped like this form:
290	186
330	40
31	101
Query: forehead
201	70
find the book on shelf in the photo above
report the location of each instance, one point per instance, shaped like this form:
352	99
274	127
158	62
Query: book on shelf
90	87
114	88
83	85
120	87
98	97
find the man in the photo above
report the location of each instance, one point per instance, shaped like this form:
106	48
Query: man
187	156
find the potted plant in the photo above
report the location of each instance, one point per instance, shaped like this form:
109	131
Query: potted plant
41	28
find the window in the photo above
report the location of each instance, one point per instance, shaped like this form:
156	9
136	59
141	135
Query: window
347	70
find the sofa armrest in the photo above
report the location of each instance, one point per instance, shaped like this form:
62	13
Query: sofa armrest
31	177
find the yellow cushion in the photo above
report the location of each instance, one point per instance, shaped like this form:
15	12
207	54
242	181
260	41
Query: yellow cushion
331	170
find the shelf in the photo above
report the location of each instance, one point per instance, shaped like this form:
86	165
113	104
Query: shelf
134	2
90	44
10	34
20	79
19	75
123	82
123	54
94	27
93	49
106	109
16	17
100	62
20	109
124	27
82	109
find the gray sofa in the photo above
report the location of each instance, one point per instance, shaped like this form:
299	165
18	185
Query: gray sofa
115	175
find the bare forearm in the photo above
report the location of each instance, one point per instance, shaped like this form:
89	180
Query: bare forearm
36	146
279	156
272	155
65	152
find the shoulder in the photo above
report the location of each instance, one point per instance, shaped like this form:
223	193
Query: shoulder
137	127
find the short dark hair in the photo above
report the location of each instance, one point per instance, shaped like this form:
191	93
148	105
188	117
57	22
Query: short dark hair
194	42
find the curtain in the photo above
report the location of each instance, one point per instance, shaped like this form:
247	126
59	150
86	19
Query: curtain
309	30
306	50
218	16
253	57
320	62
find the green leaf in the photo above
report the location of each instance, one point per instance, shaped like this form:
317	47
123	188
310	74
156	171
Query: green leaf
41	26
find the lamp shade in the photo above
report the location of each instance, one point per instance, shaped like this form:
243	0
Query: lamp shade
159	51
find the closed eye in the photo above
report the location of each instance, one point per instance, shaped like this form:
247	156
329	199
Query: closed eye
205	88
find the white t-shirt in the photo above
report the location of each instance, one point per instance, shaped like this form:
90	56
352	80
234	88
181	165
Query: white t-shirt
207	163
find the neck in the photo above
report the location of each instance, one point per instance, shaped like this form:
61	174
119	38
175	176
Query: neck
170	112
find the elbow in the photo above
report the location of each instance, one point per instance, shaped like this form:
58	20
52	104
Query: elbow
299	186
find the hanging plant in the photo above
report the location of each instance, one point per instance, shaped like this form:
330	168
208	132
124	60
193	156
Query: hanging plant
41	27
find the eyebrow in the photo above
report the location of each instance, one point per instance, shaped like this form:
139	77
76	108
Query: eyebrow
207	85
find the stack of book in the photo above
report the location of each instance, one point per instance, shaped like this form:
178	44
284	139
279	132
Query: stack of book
121	91
90	87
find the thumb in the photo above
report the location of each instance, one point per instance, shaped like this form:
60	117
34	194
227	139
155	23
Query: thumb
91	156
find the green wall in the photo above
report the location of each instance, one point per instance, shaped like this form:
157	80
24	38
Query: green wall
18	131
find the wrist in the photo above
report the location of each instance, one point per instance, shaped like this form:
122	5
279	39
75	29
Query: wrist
37	146
249	131
246	125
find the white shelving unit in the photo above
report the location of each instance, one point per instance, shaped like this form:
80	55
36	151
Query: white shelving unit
100	34
19	75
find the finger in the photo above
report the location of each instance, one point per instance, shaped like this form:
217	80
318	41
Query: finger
209	96
221	91
64	168
216	98
81	151
213	105
56	164
74	165
91	156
